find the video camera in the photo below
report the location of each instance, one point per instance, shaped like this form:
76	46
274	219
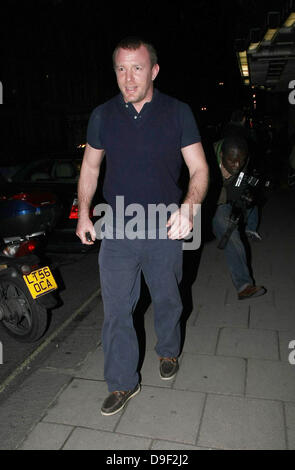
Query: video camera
241	194
242	189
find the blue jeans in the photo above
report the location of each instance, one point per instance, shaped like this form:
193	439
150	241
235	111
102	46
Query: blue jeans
252	219
234	251
121	263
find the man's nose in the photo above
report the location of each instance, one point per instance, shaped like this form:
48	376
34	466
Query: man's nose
129	75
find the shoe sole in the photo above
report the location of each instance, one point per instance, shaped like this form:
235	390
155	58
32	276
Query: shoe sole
170	377
253	237
257	294
104	413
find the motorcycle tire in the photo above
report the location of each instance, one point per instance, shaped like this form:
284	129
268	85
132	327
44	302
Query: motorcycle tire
29	320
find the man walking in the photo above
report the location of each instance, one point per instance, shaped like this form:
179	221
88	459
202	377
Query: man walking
145	135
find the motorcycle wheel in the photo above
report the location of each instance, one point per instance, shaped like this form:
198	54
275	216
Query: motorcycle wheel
28	321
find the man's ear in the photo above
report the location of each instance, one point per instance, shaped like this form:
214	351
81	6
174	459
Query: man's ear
155	71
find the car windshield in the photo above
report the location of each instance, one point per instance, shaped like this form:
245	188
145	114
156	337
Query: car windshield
51	170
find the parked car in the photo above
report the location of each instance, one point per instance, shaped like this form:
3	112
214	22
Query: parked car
58	176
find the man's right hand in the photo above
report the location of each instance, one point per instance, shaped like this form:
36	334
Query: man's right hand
85	225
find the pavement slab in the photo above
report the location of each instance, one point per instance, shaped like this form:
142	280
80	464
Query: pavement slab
79	405
222	316
26	406
211	374
200	340
271	380
266	316
92	366
166	414
248	343
89	439
47	436
237	423
290	423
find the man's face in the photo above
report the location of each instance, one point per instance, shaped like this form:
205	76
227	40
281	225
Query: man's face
234	161
135	75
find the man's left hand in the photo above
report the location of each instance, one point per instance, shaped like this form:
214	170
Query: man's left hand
180	223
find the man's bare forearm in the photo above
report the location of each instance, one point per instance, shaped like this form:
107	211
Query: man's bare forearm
86	189
195	160
197	189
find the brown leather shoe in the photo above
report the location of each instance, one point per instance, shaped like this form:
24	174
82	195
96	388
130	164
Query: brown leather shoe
116	401
251	291
168	367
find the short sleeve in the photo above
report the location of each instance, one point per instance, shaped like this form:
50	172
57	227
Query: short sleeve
190	131
94	129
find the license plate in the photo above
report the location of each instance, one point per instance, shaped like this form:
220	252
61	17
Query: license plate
40	282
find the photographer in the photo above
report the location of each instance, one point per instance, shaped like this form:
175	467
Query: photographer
237	127
232	158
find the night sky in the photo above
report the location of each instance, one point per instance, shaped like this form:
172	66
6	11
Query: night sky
66	44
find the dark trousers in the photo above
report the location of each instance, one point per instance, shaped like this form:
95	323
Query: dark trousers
121	263
234	251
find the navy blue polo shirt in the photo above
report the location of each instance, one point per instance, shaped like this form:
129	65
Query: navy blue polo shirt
143	150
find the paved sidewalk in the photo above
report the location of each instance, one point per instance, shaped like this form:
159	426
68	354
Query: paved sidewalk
235	388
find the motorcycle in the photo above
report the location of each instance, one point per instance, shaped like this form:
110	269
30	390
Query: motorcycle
27	286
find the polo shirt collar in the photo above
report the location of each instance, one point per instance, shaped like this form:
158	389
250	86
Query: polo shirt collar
145	107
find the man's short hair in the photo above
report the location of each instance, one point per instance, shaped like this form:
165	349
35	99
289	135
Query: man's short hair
234	142
134	42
